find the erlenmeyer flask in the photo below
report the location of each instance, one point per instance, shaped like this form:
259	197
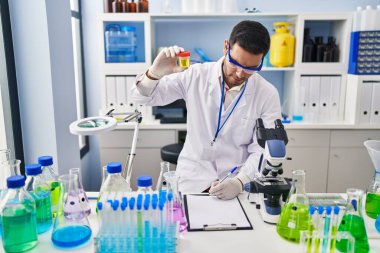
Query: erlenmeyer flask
353	222
82	194
177	208
161	183
372	203
71	229
294	216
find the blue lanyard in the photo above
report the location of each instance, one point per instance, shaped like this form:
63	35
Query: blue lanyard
219	128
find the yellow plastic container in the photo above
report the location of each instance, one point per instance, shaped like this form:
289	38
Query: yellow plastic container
282	46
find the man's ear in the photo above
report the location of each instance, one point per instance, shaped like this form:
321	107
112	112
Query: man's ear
225	49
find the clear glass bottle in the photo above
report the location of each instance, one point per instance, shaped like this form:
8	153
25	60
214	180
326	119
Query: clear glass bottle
40	191
82	194
353	222
294	216
114	182
161	183
177	209
18	215
51	178
144	184
71	229
372	204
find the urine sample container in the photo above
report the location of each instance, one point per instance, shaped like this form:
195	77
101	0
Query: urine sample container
184	59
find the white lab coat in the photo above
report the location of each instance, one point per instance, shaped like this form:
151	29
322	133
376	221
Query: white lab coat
200	86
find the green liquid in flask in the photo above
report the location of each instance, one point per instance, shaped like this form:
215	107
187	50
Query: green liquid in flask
294	218
55	194
19	229
355	225
44	212
372	205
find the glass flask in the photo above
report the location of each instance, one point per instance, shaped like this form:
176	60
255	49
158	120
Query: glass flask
177	207
51	178
71	227
353	222
372	203
294	216
40	191
82	194
161	184
18	215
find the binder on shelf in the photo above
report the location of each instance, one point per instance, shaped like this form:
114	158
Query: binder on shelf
111	92
314	93
335	84
365	102
121	93
302	103
208	213
324	99
130	80
375	105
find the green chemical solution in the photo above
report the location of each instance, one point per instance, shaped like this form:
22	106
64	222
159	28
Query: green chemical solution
55	195
294	218
44	212
19	228
372	205
334	231
355	225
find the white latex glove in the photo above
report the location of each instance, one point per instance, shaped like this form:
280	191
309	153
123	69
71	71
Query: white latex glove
166	62
228	189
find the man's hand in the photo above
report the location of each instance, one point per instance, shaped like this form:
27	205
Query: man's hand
165	63
228	189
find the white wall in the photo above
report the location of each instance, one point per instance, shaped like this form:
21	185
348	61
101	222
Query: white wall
42	39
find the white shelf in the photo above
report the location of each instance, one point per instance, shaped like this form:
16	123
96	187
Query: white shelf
277	69
322	68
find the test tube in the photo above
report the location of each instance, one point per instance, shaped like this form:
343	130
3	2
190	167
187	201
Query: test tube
334	228
319	229
311	228
326	229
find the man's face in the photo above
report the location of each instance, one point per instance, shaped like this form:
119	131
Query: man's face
233	74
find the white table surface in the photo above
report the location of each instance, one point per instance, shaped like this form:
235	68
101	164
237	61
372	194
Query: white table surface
262	239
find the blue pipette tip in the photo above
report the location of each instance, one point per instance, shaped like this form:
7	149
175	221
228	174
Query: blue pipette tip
100	206
139	201
154	197
161	205
311	210
163	196
170	196
132	203
124	200
320	209
154	203
115	205
354	203
336	210
328	210
147	201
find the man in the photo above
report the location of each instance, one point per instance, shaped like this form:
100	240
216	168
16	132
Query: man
223	100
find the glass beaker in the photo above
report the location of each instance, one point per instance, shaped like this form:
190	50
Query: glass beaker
82	194
71	229
177	208
294	216
372	203
353	222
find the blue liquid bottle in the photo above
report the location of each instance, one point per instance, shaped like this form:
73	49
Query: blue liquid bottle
40	191
18	216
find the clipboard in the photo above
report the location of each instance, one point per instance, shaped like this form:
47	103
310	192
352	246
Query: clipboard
208	213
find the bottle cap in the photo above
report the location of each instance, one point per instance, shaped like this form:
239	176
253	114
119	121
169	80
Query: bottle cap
328	210
15	182
320	210
45	160
33	169
114	167
336	210
126	28
311	210
144	181
184	54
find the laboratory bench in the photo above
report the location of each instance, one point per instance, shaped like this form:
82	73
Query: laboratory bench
262	239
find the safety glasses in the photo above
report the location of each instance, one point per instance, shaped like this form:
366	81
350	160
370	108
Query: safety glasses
248	70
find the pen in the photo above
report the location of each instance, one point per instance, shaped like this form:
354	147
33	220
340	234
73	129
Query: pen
229	174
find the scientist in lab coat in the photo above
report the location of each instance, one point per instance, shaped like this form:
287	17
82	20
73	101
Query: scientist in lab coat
223	99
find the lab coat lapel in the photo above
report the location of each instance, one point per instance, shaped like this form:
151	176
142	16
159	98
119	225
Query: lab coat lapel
215	92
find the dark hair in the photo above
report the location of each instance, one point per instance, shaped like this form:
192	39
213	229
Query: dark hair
251	36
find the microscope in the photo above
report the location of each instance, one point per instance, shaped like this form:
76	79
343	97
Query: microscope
269	189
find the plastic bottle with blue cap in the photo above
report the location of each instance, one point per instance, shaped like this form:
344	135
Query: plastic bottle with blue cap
114	182
39	189
144	184
18	214
52	179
